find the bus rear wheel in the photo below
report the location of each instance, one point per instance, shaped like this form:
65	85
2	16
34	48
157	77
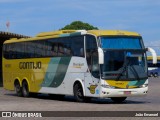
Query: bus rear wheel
118	99
78	92
25	89
18	89
151	74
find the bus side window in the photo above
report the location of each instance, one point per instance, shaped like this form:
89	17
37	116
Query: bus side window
54	50
29	50
51	48
95	65
13	51
92	55
18	50
6	51
60	49
82	52
78	46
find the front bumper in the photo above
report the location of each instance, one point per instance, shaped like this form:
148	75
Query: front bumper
107	92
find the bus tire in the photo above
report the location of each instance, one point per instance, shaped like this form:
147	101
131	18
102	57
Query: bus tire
156	74
151	74
18	88
78	92
25	89
118	99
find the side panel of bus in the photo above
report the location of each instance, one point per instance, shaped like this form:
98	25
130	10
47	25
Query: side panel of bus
22	69
54	75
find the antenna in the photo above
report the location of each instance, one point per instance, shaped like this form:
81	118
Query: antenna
7	25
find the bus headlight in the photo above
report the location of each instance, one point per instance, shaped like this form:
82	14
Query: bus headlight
107	86
143	86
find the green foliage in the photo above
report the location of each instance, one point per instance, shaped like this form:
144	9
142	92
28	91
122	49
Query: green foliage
79	25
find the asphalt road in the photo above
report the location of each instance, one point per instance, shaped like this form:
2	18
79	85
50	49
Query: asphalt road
10	102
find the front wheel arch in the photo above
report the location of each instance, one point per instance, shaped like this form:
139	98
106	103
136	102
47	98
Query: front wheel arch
78	92
82	84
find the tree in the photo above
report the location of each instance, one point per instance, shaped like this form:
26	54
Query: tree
79	25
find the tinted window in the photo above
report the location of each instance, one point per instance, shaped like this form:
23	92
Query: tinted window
120	43
64	47
91	46
78	46
57	47
92	55
51	48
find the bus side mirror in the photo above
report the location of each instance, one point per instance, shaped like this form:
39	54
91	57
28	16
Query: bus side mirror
154	55
100	56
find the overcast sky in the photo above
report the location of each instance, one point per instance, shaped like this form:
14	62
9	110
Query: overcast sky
30	17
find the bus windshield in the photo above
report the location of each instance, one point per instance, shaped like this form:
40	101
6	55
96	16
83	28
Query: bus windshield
124	58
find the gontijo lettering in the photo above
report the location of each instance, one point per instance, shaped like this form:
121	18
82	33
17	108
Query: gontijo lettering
30	65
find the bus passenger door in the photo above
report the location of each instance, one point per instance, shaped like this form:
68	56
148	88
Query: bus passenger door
92	76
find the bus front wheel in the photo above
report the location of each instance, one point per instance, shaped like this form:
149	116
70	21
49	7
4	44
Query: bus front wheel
25	89
78	92
156	74
118	99
18	89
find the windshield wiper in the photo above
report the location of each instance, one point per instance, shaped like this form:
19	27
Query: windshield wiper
124	68
134	72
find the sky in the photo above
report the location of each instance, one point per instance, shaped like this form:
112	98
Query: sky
30	17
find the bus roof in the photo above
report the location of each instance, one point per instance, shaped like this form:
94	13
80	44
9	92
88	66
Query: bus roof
113	32
63	33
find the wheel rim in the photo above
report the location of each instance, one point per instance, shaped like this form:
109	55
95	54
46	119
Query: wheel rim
25	89
79	93
17	86
18	89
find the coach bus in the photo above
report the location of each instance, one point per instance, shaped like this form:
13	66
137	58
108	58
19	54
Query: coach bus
153	69
85	64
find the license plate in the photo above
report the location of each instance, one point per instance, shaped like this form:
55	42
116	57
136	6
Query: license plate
127	92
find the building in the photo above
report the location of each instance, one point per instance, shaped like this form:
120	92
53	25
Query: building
6	36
